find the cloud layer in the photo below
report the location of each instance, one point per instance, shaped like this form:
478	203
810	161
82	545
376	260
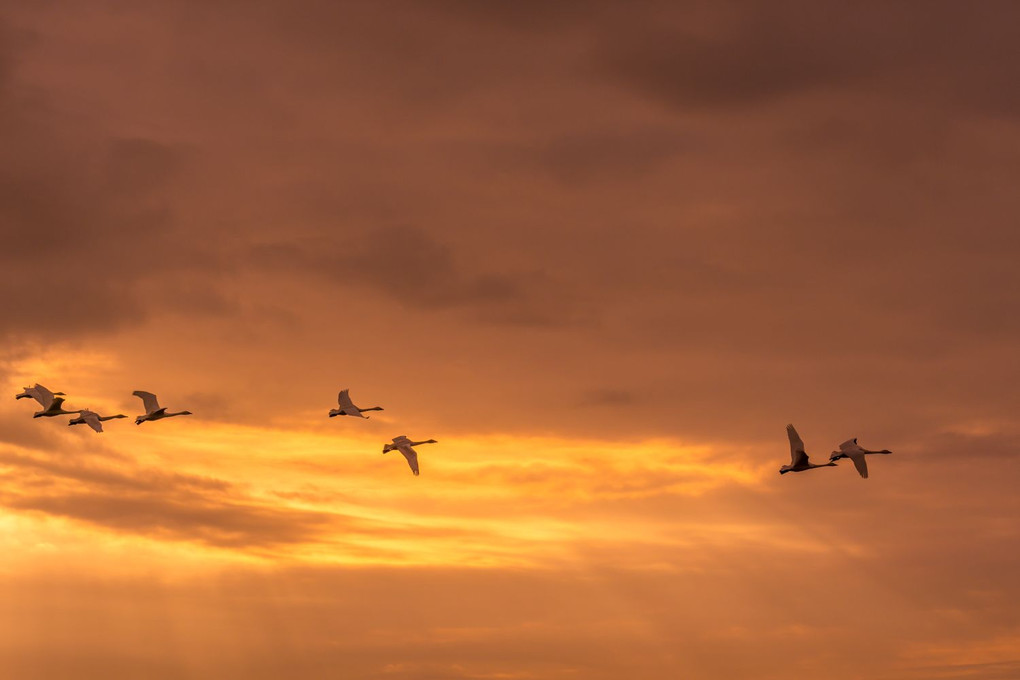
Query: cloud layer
602	252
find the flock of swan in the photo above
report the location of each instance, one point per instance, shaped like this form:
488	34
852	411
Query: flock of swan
53	405
849	449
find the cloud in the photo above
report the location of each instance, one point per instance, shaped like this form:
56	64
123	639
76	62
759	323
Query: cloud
133	499
87	219
418	271
723	57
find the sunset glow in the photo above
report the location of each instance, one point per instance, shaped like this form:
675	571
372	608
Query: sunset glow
601	252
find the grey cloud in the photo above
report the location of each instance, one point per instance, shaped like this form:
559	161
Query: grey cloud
721	55
153	503
125	496
757	56
86	219
416	270
225	524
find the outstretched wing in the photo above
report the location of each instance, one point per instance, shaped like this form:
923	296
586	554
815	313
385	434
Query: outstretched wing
850	449
411	455
92	420
797	453
41	395
857	456
346	405
148	400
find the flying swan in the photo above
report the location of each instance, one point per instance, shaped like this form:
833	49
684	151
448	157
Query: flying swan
30	392
152	408
93	419
347	407
799	458
403	444
850	449
51	404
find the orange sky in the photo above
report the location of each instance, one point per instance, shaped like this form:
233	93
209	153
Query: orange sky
603	252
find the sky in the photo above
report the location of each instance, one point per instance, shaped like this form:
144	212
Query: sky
603	252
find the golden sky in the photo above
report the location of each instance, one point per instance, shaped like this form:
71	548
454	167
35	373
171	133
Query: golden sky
603	252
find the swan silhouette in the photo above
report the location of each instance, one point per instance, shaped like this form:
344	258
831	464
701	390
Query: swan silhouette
403	444
152	408
29	392
93	419
51	404
798	457
852	450
347	407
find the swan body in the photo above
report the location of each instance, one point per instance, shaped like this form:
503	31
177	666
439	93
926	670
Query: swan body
404	445
153	411
347	407
93	419
852	450
798	456
51	404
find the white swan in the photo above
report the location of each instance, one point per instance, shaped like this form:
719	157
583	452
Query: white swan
852	450
347	407
799	458
30	392
152	408
403	444
93	419
51	404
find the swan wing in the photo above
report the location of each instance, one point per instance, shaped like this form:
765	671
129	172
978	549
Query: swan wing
346	405
857	456
411	455
148	400
41	395
798	455
849	445
344	399
92	420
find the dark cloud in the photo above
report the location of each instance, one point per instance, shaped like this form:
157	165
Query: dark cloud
148	502
83	235
124	496
188	518
751	57
730	56
418	271
86	219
